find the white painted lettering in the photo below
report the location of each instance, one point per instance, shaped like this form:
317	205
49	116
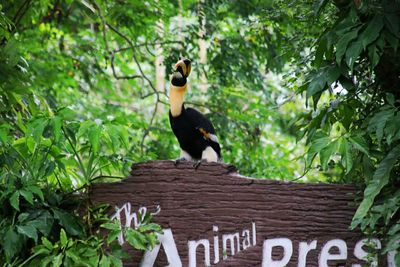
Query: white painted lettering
246	239
231	238
325	255
192	252
267	252
216	244
167	241
253	228
304	248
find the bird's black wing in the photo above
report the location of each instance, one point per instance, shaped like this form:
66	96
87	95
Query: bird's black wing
200	122
205	127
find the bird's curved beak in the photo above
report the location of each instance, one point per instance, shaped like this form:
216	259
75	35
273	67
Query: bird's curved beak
184	66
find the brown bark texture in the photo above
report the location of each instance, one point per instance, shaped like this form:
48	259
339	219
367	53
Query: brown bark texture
192	201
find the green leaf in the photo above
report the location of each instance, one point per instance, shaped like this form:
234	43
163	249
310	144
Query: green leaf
63	238
23	217
57	124
84	128
326	154
343	42
31	143
316	146
94	137
316	85
352	53
112	235
136	239
47	243
14	200
372	31
320	51
111	226
68	221
153	227
378	121
43	222
57	260
4	130
27	195
105	261
347	156
392	129
359	143
373	56
379	180
115	262
28	230
41	249
36	128
36	190
12	243
332	75
72	255
66	114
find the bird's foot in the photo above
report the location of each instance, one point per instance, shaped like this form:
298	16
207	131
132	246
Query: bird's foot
197	163
179	160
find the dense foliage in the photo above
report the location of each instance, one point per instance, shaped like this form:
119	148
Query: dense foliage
354	126
81	100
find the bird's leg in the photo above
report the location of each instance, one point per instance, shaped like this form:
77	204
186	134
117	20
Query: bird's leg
184	157
208	155
197	163
179	160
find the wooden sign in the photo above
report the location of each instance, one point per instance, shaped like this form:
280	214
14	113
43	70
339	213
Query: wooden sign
212	216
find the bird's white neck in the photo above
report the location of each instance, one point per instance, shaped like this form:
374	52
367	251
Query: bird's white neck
176	97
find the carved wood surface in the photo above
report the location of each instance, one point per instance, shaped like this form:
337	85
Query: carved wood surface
193	201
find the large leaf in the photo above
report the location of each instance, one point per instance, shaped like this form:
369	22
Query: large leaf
14	200
56	125
27	195
326	153
379	180
29	231
12	243
392	129
36	190
343	42
68	221
94	137
352	53
378	121
317	144
63	238
347	156
57	260
136	239
359	143
43	222
372	31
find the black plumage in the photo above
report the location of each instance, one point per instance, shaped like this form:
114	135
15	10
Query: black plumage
194	132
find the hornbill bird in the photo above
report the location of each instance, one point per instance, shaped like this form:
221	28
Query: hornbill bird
195	133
